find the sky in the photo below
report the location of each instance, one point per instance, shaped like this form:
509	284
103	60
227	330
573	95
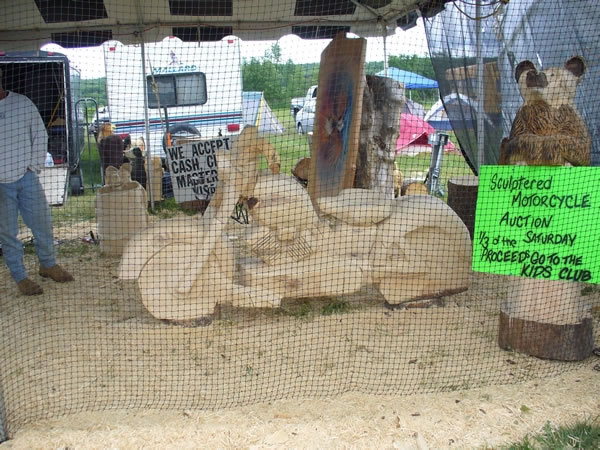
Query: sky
300	51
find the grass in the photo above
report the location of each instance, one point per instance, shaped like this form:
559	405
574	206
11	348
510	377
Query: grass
291	147
76	208
316	306
90	164
581	435
417	167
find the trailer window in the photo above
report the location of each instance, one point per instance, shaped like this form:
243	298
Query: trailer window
181	89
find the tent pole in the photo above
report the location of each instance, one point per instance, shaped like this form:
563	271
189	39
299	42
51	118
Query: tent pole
480	91
149	184
3	436
385	58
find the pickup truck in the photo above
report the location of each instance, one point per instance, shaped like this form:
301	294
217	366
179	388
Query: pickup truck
298	102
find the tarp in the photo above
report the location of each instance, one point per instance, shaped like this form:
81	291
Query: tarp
410	80
30	24
414	134
258	113
438	114
414	108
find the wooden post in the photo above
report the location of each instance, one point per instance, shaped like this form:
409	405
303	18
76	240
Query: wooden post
382	106
546	319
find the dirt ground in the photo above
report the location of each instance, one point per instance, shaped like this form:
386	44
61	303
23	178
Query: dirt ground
85	366
475	418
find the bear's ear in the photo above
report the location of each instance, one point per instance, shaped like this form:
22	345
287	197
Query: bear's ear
522	67
576	65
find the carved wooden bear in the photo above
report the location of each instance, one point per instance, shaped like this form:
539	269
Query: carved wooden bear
547	129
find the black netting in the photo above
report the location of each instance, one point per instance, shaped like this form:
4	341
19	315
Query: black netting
261	201
547	33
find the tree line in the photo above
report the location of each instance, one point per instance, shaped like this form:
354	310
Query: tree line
282	80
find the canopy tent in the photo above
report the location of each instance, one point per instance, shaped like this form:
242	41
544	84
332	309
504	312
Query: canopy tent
414	134
412	107
258	113
440	112
30	24
410	80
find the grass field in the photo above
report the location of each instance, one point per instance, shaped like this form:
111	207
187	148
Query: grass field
291	147
581	435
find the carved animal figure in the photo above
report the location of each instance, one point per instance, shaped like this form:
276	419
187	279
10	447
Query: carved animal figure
548	129
110	147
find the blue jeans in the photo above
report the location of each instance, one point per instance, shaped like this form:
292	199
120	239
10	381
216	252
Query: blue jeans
26	196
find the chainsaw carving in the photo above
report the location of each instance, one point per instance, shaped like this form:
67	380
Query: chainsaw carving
120	209
547	318
413	248
548	129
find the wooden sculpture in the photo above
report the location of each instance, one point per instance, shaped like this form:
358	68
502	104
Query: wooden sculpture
120	209
413	248
186	267
542	317
548	129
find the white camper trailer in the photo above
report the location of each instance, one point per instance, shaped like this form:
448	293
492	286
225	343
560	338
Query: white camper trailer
193	88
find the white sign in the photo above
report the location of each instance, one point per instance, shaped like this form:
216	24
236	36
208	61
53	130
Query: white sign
193	168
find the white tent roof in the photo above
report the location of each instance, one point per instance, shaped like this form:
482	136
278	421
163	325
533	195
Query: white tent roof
29	24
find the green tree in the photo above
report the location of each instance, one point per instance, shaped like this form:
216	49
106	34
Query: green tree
94	88
279	81
274	54
413	63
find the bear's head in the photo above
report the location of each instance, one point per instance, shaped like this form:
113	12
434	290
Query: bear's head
555	86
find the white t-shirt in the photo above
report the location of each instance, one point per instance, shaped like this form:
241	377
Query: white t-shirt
23	137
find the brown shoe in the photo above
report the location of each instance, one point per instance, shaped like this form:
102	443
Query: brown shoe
28	287
57	273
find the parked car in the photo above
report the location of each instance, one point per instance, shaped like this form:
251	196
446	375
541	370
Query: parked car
306	117
298	102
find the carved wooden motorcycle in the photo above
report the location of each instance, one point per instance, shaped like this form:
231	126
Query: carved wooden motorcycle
412	248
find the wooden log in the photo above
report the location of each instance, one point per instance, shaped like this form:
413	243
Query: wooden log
302	170
383	99
413	187
462	198
568	342
155	176
547	319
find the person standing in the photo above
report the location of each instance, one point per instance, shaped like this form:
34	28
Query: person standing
23	148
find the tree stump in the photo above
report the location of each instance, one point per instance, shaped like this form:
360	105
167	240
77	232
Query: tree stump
383	99
462	198
546	319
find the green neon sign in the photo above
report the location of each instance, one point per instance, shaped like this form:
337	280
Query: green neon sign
538	222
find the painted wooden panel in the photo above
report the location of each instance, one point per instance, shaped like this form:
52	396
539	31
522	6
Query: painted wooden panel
337	120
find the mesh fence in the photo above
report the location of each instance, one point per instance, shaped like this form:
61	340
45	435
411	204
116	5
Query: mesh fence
210	204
